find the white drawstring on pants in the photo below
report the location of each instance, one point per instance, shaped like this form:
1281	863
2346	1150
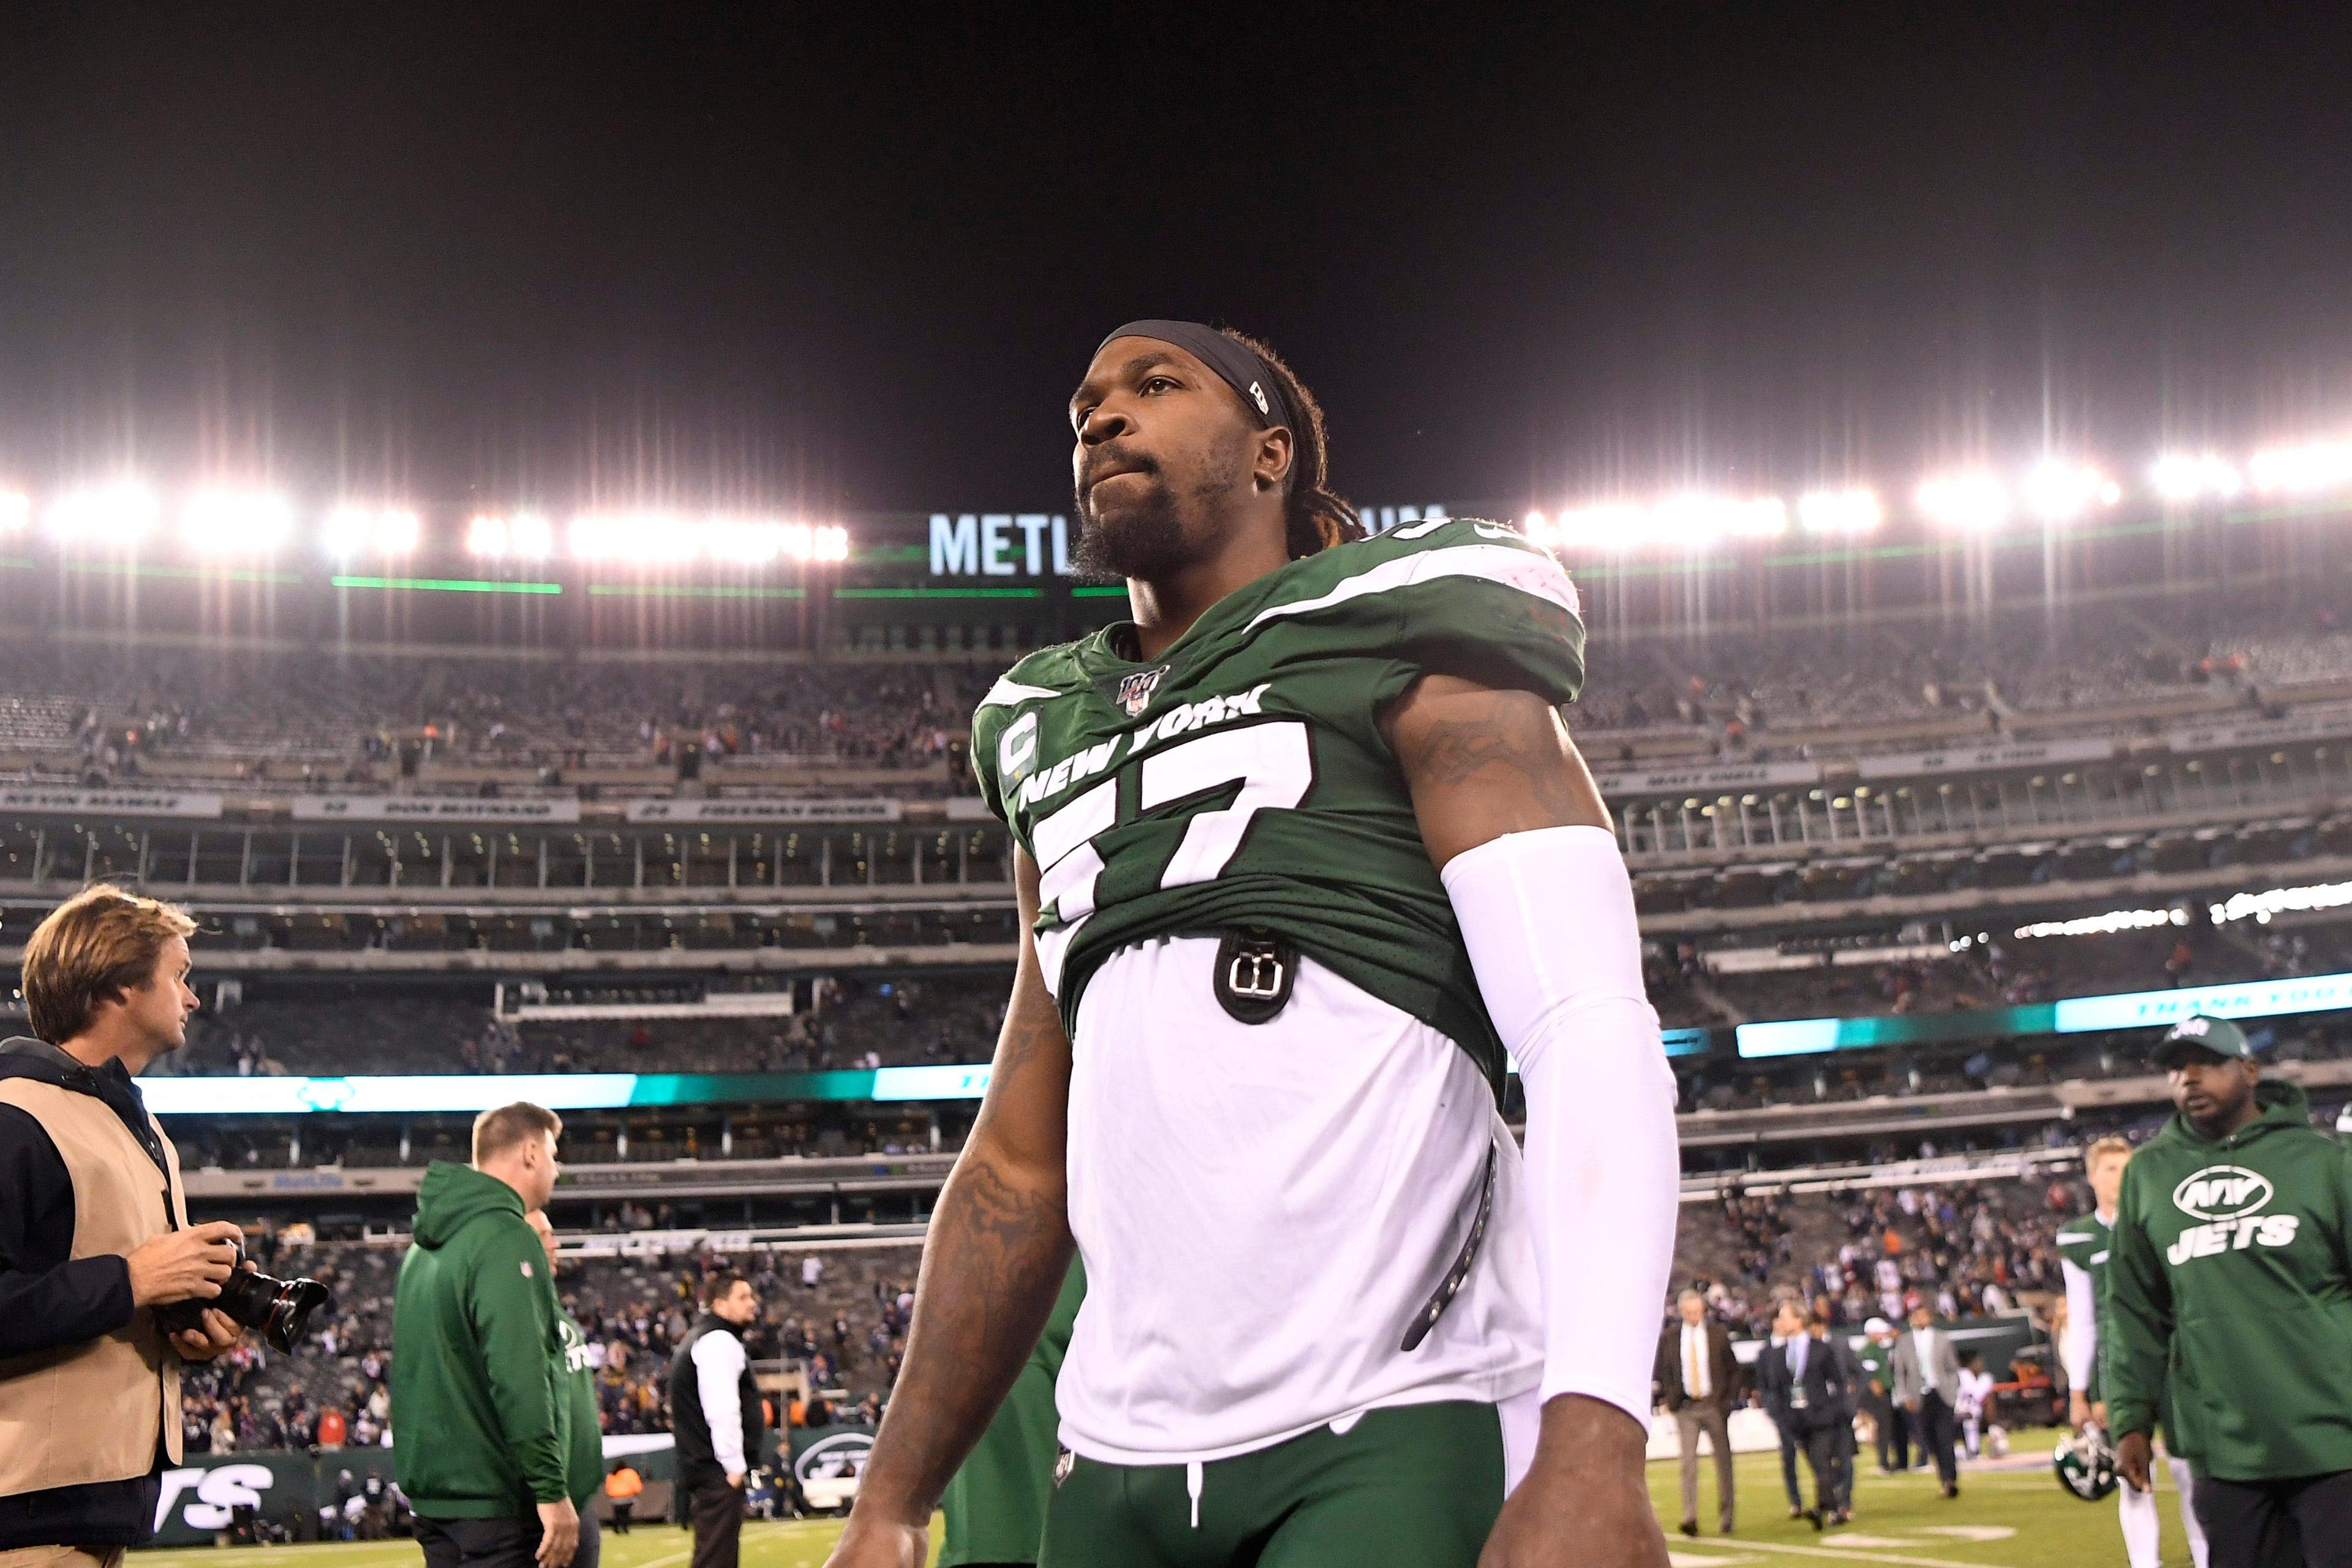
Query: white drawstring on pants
1193	1475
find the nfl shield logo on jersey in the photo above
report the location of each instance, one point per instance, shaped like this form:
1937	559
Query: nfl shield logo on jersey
1135	691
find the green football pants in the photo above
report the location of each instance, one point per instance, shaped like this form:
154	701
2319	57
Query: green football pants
1409	1487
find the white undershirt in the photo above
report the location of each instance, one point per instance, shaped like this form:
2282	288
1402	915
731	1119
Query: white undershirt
719	1362
1264	1209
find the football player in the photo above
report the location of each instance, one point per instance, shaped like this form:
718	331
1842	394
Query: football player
1303	849
2083	1245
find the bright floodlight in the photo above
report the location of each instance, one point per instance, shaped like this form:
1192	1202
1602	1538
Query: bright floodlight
121	512
2302	470
218	520
2059	489
1602	525
1849	512
654	537
15	511
526	536
2182	478
350	530
1966	504
1694	521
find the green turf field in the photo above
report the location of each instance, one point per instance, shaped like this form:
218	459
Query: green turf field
2004	1518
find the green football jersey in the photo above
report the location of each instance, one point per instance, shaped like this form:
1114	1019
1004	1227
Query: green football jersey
1241	780
2087	1242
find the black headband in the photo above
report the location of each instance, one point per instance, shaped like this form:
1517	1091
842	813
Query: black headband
1239	366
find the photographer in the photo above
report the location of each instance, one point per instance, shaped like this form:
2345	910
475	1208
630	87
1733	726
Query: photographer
94	1236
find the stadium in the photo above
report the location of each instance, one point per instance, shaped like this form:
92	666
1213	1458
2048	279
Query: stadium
538	561
1916	878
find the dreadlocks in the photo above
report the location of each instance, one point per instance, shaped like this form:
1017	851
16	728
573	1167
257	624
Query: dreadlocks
1315	516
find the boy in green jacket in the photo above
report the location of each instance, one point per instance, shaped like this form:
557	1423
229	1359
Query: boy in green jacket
2233	1274
478	1412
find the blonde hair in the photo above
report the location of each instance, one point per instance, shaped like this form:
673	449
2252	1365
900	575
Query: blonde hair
2113	1144
93	948
496	1132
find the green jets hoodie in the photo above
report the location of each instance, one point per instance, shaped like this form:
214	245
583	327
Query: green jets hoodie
480	1413
2229	1278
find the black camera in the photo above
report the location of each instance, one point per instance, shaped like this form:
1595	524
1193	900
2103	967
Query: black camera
276	1309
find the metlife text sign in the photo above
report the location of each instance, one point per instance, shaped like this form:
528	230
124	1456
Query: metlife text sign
1000	545
1037	543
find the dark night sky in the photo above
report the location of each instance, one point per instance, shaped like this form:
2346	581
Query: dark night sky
861	257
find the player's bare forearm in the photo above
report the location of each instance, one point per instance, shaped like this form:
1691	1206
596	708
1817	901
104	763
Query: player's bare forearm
992	1265
1482	762
1586	1498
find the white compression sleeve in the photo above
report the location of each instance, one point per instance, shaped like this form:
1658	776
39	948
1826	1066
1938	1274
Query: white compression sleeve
2080	1348
1548	916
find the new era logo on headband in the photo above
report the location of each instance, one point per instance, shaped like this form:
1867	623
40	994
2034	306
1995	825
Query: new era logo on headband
1258	395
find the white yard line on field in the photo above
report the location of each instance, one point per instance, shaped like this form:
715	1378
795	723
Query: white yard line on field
1830	1551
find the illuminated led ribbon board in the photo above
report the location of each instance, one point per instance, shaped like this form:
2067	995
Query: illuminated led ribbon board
465	1093
2074	1015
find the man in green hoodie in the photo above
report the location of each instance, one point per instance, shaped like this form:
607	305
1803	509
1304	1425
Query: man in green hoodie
2232	1275
479	1410
583	1426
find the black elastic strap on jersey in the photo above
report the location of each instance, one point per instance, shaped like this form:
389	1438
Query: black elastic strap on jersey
1236	364
1458	1272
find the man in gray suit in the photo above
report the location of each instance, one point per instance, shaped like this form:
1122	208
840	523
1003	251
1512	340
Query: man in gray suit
1927	1387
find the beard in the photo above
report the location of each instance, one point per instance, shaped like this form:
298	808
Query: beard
1143	539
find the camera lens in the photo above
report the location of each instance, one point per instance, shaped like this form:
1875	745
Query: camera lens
276	1309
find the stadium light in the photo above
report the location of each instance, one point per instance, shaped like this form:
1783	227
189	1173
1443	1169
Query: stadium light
1845	511
349	531
1695	521
2106	924
1602	525
2261	907
2059	489
2183	478
650	537
15	511
2302	470
526	536
218	521
120	513
1972	502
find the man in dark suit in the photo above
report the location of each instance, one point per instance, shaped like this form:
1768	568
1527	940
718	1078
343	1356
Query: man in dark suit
1695	1375
1807	1389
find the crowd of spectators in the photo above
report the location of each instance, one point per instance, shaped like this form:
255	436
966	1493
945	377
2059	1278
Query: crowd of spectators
1963	1250
326	719
835	1322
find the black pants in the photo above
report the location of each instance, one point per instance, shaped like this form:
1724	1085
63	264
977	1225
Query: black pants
509	1541
621	1513
1938	1432
715	1510
1825	1457
1788	1445
2301	1523
1894	1433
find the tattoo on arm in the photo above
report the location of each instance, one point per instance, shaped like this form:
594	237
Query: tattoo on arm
1520	742
993	1264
